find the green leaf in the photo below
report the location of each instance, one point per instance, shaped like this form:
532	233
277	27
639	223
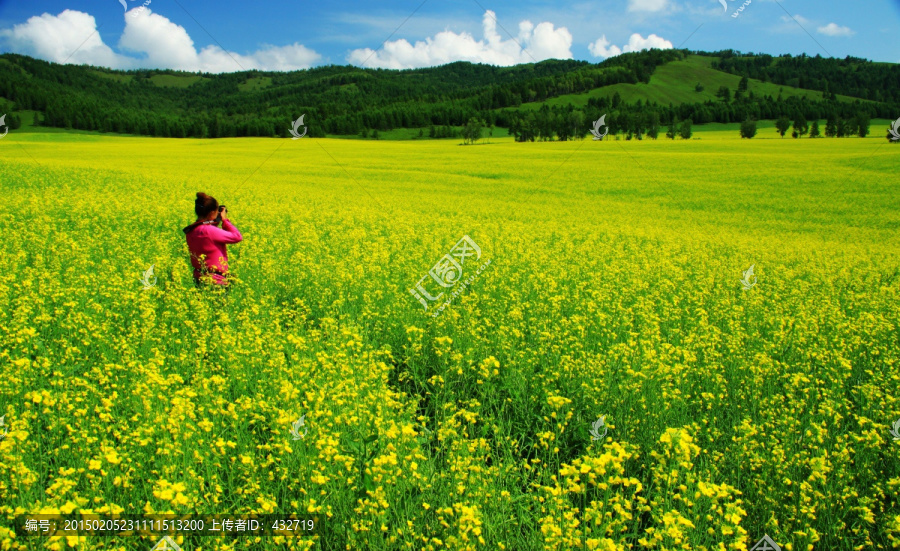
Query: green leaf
369	483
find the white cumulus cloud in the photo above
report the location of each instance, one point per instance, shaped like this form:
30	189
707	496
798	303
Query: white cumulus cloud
69	37
543	41
166	44
833	29
602	48
155	41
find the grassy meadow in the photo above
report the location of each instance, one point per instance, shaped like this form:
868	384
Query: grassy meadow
613	290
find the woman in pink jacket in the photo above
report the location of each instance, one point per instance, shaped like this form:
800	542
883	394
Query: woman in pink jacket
207	242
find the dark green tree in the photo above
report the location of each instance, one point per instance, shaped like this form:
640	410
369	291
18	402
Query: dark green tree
473	130
636	126
13	121
672	130
782	125
748	129
685	131
801	127
814	130
842	127
653	125
574	124
724	93
544	119
862	125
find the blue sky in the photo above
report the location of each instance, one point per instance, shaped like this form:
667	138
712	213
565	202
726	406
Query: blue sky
226	35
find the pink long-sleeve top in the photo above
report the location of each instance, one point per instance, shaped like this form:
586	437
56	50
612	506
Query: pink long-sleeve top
207	239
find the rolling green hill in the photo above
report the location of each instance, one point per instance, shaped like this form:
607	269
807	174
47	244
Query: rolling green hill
675	83
659	85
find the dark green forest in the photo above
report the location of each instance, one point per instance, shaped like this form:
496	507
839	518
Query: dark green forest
347	100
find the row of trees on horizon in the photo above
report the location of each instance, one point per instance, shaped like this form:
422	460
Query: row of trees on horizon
573	127
539	125
567	123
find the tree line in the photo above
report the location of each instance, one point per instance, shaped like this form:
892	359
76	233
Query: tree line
12	121
646	119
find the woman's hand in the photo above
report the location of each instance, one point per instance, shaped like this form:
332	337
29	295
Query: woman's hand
224	214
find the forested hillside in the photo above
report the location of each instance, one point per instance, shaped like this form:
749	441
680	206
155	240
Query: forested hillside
347	100
851	76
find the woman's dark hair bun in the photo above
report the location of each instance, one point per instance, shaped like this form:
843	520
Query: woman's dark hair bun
205	204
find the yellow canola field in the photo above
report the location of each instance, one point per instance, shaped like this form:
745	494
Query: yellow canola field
606	382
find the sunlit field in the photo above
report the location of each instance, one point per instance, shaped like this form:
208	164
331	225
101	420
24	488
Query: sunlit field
614	291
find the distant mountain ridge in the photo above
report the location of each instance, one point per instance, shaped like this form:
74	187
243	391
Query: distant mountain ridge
349	100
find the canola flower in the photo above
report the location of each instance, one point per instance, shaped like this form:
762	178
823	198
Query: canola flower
730	413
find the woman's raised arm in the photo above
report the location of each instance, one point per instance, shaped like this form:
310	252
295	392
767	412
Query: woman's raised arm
227	234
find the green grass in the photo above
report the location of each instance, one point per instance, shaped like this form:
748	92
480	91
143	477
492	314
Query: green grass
123	78
175	81
255	83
